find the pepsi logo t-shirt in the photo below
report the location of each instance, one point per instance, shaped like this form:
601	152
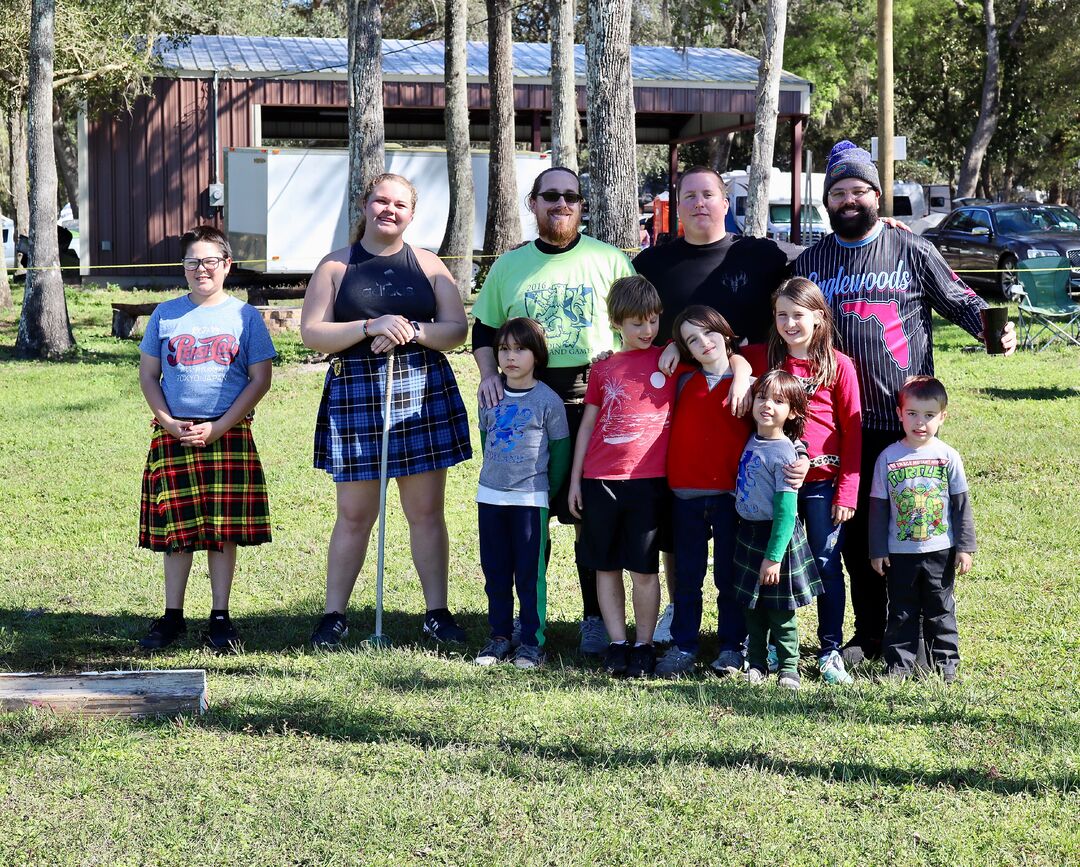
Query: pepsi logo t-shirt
205	353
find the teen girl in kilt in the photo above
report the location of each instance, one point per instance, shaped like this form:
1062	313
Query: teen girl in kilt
775	571
363	301
205	364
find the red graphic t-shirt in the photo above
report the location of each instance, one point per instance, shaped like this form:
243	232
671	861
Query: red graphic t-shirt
630	439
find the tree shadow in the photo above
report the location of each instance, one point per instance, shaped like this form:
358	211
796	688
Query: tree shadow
373	725
1030	393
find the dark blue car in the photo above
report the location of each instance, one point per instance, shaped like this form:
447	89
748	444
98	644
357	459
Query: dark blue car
984	242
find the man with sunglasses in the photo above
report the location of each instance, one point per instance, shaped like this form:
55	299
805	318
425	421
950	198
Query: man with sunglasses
882	285
561	280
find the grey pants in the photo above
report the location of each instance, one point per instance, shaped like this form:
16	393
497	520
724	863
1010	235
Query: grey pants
921	593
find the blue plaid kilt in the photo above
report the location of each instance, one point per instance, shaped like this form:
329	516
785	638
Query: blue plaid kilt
799	581
429	428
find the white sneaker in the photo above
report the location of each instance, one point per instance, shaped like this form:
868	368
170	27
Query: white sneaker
662	635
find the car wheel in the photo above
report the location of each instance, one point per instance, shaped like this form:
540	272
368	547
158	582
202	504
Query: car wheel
1007	276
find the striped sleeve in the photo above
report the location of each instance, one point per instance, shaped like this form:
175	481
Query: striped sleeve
950	296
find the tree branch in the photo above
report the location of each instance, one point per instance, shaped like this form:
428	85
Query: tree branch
86	76
1021	15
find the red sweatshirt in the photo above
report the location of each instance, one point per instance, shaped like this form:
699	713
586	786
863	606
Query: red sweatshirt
833	432
707	441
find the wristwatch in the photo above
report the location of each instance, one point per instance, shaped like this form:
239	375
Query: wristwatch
415	330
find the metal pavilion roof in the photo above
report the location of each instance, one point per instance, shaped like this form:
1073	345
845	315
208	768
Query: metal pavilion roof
402	58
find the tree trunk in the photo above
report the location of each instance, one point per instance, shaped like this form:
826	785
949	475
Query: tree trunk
458	240
612	148
503	227
563	89
367	144
66	160
44	328
720	151
987	123
768	96
16	118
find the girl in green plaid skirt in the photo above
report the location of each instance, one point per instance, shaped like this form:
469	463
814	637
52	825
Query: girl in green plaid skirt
205	364
775	572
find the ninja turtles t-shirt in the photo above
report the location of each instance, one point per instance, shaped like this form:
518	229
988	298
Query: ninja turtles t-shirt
918	484
565	292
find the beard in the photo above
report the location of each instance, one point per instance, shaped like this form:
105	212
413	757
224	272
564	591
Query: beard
853	226
558	233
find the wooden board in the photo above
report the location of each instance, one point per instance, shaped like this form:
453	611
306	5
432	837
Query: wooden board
108	693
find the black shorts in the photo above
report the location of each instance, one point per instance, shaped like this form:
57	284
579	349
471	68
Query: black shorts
621	521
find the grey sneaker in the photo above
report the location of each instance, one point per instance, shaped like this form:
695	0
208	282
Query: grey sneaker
728	662
528	656
594	637
662	635
790	680
755	676
515	636
494	651
675	663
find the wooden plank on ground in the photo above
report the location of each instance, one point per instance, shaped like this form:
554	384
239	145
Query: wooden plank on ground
108	693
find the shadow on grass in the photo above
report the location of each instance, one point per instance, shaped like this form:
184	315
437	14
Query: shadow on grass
257	717
113	356
1031	393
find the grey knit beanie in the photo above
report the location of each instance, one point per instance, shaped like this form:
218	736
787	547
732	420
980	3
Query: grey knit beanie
847	160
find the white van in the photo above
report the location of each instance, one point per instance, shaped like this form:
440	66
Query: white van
815	220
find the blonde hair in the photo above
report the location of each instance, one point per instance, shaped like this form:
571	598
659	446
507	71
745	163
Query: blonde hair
358	233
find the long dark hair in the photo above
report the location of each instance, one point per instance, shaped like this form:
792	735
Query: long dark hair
707	318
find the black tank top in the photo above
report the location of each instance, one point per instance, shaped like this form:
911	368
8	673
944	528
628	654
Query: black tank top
376	285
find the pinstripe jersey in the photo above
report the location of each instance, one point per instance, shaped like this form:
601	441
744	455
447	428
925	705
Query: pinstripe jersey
881	291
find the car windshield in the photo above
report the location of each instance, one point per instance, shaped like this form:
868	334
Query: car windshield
782	214
1041	218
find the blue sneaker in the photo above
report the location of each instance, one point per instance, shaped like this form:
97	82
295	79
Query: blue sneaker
832	669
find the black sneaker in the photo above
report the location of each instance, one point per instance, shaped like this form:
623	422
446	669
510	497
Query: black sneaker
221	634
641	661
443	629
331	631
163	632
857	651
615	659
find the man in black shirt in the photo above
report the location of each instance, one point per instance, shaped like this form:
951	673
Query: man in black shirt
734	274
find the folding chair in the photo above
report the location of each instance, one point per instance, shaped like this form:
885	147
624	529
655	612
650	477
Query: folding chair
1046	310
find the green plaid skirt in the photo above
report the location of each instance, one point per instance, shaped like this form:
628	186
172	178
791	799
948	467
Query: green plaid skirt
198	499
799	581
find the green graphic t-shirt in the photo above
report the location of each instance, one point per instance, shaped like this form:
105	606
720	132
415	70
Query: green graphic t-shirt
565	292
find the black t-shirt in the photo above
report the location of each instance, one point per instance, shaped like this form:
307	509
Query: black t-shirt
735	275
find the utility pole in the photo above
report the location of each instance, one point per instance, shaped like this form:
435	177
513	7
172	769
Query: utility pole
885	104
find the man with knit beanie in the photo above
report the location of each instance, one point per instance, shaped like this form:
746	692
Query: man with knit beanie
882	285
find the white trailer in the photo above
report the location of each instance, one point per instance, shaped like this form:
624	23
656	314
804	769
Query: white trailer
815	221
286	208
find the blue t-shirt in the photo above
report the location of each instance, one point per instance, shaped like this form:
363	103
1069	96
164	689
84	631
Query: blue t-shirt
205	353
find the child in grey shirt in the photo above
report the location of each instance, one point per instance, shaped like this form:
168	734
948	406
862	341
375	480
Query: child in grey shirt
922	532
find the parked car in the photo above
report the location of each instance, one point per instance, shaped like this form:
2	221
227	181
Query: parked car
984	242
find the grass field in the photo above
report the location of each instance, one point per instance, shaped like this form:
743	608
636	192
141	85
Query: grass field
411	756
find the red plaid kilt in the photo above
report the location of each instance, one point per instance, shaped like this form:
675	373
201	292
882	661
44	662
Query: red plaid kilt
198	499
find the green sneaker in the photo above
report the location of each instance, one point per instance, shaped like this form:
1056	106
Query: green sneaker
832	669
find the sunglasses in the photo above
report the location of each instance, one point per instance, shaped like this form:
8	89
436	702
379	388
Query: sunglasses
553	196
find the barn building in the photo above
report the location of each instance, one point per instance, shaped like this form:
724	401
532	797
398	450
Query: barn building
146	176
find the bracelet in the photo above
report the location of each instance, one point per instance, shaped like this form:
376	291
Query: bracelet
366	321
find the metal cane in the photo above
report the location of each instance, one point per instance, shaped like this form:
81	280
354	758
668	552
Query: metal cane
378	639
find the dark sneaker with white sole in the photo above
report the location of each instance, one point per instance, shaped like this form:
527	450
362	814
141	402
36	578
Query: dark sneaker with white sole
528	656
641	661
331	631
616	658
441	627
221	634
675	663
163	632
495	651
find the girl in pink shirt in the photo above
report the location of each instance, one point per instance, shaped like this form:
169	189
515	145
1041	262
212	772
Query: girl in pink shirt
801	343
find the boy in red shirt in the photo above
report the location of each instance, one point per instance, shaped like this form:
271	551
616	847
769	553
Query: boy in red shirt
617	483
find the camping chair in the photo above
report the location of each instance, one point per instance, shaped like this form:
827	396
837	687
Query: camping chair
1046	310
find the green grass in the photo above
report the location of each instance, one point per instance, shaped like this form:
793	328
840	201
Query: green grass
408	756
